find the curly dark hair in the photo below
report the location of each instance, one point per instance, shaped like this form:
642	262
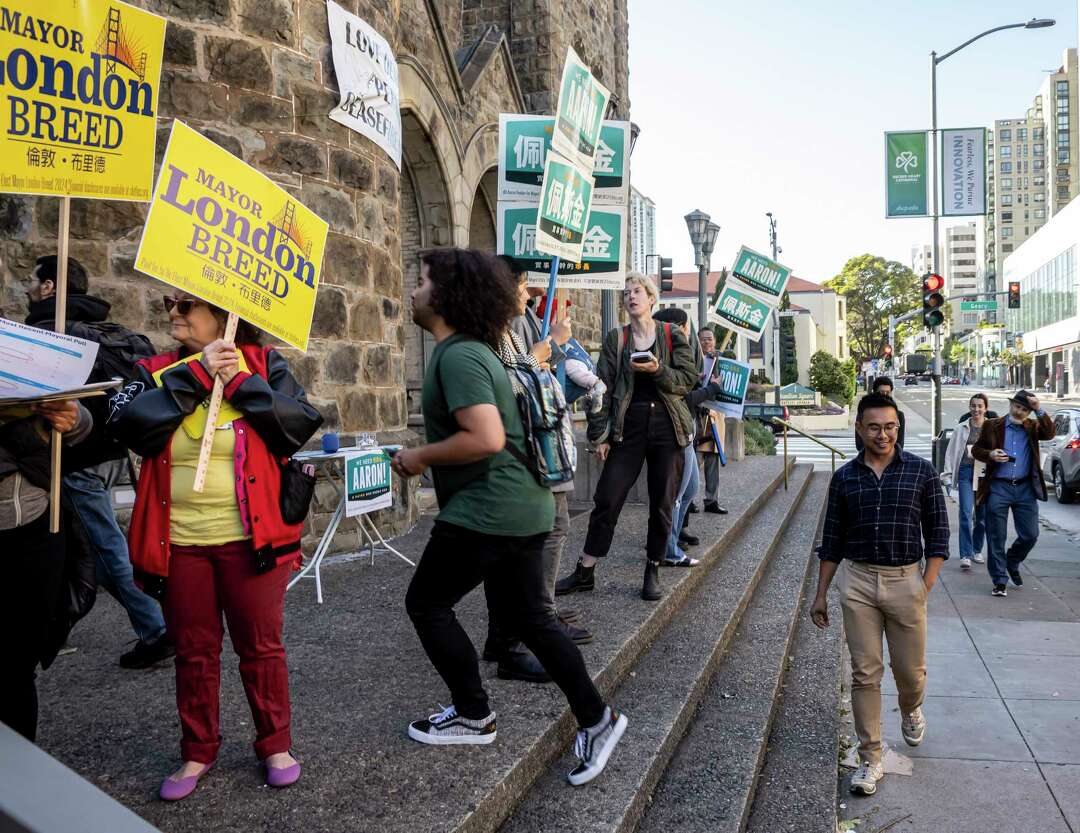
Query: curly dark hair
474	292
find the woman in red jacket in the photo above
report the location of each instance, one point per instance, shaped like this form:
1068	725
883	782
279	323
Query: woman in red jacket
226	549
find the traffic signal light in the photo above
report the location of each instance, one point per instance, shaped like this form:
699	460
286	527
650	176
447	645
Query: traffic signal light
933	300
787	349
1014	294
887	351
665	274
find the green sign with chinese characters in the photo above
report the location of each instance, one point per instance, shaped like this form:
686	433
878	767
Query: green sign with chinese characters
582	104
524	142
564	209
367	482
761	275
740	311
906	169
602	264
978	306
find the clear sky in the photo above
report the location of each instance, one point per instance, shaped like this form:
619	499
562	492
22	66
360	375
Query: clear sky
781	105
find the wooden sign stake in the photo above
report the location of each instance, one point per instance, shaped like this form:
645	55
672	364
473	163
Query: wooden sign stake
212	414
60	326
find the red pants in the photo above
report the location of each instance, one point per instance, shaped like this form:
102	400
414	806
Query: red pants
203	583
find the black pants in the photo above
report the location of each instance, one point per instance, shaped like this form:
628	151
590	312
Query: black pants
33	563
648	438
455	561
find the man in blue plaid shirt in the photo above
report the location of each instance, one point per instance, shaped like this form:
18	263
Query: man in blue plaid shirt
886	513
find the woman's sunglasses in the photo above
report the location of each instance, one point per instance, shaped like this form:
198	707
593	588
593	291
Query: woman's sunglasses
183	305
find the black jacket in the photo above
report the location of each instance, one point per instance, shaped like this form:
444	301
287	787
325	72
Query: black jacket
83	310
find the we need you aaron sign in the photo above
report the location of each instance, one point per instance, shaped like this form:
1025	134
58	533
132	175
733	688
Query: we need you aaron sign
368	484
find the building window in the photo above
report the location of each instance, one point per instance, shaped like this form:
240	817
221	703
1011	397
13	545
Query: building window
1006	232
1004	135
1006	167
1006	247
1021	134
1006	216
1006	199
1037	133
1038	149
1040	196
1005	151
1038	181
1063	155
1063	193
1006	183
1040	213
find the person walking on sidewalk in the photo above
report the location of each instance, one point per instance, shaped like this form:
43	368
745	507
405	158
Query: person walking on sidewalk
964	472
1009	446
884	386
494	517
99	462
886	512
710	460
648	368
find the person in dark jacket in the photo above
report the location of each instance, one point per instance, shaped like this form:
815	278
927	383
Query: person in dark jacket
644	419
34	615
99	462
225	549
691	481
884	386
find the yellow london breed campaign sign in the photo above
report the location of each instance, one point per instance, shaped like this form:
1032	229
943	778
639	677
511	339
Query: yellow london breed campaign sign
79	98
219	229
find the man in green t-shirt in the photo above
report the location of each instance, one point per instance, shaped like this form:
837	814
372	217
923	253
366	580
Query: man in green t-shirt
493	515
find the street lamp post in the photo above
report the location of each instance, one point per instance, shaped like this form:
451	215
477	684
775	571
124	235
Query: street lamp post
935	59
698	224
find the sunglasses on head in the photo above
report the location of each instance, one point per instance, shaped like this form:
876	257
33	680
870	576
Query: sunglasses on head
183	305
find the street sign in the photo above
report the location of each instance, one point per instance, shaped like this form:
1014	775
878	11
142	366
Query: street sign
977	306
906	164
760	276
798	395
564	208
583	101
603	255
740	311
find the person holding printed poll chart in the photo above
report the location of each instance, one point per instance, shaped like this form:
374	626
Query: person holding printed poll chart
227	549
494	517
648	368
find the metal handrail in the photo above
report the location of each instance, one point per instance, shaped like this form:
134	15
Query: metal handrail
788	426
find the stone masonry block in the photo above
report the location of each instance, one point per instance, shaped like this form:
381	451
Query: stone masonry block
206	11
262	112
377	368
180	47
312	105
366	319
238	63
351	169
16	218
343	364
271	20
331	315
295	154
333	205
359	410
345	262
186	97
291	68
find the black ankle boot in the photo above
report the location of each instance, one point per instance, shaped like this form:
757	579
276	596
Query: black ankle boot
516	662
579	581
650	588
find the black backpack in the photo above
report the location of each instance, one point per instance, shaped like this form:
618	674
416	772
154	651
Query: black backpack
119	350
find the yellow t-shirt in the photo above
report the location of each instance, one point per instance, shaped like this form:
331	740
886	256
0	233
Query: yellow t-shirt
211	517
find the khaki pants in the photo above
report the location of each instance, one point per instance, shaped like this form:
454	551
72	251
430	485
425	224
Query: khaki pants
890	600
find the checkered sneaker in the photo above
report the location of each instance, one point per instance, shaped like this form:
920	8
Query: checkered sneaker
594	746
448	727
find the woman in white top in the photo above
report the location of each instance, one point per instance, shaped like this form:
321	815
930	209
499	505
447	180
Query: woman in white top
961	470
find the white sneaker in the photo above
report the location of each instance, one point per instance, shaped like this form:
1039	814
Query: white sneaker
448	727
980	558
864	780
913	727
965	563
594	746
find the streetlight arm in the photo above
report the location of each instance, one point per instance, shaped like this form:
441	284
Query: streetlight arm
940	58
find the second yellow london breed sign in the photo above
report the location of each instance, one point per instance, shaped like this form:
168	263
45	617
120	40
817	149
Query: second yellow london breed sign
224	232
78	98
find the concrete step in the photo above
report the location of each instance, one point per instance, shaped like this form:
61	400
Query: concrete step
709	784
662	691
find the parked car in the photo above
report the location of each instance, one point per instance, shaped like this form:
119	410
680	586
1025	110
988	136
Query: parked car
911	380
1061	455
764	414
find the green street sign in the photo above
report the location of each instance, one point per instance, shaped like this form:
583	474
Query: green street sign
582	103
565	200
740	311
760	275
603	255
524	142
978	306
367	482
906	167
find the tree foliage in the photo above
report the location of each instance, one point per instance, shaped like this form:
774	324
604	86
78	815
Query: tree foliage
831	377
874	289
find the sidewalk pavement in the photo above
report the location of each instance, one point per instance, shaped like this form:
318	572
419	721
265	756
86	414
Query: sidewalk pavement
1002	746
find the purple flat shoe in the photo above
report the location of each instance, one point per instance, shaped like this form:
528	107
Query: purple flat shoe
173	790
283	777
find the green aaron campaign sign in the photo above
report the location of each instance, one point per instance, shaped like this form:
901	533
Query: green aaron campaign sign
524	142
734	379
367	482
603	250
582	103
564	209
906	168
740	311
761	275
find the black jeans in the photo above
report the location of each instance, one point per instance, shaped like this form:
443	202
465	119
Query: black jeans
648	438
33	562
455	561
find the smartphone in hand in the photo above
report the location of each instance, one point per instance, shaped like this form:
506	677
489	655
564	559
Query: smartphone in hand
641	356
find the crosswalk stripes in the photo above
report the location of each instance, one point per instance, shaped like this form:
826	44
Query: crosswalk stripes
808	451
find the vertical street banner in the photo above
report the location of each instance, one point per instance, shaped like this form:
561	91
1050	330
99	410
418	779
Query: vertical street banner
734	380
906	181
224	232
367	75
602	264
740	311
563	215
368	484
524	142
583	102
79	97
963	175
760	275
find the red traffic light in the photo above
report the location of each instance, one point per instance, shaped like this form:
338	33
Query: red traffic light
888	350
1014	294
933	283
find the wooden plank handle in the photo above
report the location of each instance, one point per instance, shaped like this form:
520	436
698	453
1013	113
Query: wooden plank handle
212	414
60	325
